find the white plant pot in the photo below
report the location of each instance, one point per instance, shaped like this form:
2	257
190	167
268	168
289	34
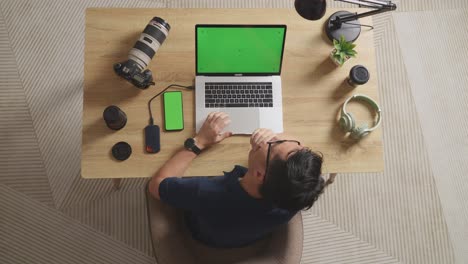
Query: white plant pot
337	63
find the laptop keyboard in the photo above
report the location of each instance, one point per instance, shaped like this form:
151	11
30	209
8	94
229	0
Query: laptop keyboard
243	94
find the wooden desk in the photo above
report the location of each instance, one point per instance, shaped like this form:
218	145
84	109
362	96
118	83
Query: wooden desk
313	92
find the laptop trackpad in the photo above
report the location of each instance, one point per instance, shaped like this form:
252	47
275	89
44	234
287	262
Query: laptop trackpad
243	120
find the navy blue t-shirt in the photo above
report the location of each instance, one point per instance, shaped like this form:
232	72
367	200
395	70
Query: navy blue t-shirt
219	212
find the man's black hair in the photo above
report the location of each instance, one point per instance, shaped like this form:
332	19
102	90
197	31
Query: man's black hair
296	183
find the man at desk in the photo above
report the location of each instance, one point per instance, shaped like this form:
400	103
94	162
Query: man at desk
245	204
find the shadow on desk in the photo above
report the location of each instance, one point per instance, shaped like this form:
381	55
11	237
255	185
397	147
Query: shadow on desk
324	68
107	84
342	92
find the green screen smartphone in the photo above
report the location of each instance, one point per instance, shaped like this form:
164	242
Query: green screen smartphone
173	111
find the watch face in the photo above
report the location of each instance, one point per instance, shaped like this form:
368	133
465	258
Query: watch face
188	144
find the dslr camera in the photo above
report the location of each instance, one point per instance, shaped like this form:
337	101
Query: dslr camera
133	69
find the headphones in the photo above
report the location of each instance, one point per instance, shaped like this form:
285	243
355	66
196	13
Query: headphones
348	123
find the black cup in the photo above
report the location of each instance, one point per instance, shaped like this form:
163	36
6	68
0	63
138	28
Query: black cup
358	75
115	118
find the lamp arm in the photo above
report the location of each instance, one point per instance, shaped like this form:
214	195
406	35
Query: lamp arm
375	4
362	3
355	16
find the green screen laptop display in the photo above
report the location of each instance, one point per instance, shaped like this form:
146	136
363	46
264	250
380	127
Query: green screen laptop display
230	49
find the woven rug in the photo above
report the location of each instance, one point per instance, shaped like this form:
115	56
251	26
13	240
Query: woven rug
438	73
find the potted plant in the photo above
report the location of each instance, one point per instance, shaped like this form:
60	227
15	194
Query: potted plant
343	51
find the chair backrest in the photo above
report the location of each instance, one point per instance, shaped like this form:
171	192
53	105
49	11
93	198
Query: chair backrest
173	244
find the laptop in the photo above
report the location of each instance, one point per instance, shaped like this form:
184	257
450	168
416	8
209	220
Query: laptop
238	71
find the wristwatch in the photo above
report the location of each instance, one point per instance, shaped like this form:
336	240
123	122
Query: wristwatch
189	144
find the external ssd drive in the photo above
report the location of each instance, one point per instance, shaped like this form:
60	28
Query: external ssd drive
152	139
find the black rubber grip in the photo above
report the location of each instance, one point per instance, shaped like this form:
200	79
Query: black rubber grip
145	48
155	33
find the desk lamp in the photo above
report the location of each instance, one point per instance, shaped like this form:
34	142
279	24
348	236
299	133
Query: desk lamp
342	22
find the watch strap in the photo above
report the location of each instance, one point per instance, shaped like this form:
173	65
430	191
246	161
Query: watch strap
195	149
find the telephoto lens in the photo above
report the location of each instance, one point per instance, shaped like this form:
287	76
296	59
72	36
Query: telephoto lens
149	42
139	57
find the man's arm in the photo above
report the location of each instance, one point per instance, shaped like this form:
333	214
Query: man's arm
209	134
175	166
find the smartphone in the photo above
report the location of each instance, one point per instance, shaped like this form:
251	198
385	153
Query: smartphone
173	111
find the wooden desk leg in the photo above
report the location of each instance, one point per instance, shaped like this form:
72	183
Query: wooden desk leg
116	183
331	178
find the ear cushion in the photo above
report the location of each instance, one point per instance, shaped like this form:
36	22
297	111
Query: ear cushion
360	132
347	122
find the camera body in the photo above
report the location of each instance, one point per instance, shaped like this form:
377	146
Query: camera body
139	57
130	71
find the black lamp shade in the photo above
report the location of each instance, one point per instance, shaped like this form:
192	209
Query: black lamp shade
311	9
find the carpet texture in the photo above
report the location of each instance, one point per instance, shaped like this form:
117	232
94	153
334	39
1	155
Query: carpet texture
438	74
410	213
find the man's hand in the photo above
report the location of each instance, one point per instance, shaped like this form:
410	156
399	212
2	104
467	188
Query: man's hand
261	136
210	132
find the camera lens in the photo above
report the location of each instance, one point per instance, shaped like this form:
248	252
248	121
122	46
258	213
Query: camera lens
149	42
358	75
115	118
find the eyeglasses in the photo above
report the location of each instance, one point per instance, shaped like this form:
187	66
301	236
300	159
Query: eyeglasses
268	152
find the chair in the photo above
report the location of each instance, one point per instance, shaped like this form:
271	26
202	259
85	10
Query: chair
173	244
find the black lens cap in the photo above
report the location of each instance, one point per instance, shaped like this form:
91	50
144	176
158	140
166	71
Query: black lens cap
111	114
359	74
121	151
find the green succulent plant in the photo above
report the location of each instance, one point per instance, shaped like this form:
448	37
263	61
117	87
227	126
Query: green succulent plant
343	49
